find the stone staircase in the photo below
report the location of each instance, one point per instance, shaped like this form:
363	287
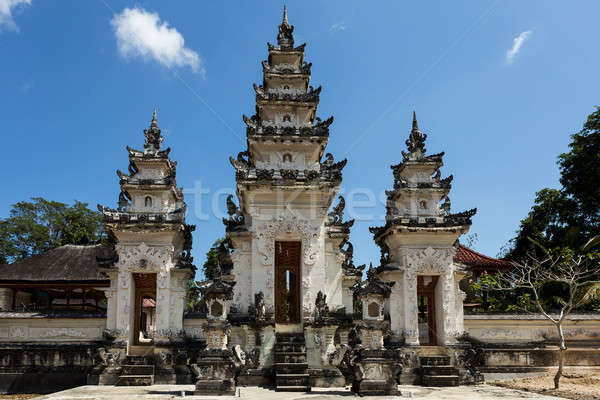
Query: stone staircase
138	370
290	363
436	370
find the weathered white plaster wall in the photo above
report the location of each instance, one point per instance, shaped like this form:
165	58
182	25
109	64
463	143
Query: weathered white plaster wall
35	329
506	328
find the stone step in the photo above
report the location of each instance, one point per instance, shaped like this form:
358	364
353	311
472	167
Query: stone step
138	370
434	360
292	388
135	380
292	380
291	368
289	338
296	357
290	347
440	380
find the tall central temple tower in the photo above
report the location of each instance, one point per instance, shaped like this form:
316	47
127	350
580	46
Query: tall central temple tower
286	246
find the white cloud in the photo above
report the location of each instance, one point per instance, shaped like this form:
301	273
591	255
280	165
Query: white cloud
516	47
6	8
340	26
141	33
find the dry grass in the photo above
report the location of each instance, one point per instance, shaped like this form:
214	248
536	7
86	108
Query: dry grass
576	386
18	396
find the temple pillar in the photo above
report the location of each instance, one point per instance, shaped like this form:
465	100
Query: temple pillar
163	306
446	308
411	317
124	306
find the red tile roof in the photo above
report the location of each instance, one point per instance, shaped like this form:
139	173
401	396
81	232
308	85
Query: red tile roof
470	257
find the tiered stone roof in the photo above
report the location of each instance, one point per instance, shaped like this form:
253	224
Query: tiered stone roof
418	190
161	178
286	108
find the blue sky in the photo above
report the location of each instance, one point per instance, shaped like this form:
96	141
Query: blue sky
498	85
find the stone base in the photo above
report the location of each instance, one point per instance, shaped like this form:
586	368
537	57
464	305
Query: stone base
326	378
215	372
374	374
105	378
215	387
255	377
375	387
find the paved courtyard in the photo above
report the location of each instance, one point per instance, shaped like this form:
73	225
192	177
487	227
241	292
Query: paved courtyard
480	392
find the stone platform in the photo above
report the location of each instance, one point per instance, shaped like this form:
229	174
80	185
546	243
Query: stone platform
479	392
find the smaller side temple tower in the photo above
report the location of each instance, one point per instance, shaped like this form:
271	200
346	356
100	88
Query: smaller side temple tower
153	244
417	248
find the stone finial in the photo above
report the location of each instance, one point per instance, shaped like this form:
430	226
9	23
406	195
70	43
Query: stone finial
153	136
154	123
285	39
415	124
416	141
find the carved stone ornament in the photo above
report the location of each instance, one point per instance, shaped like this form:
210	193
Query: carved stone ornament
155	258
63	332
430	260
269	231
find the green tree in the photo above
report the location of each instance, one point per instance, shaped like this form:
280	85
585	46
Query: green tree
39	225
217	258
569	216
570	276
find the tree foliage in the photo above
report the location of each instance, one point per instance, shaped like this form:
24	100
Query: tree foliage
217	258
554	285
569	216
39	225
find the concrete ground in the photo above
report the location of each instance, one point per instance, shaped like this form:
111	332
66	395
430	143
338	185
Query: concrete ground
479	392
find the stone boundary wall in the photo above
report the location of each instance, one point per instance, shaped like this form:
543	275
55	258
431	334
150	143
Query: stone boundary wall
42	329
523	328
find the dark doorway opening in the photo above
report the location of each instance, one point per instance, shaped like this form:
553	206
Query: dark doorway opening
287	282
426	310
145	309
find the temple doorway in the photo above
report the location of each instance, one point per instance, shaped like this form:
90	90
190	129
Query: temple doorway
145	309
426	310
287	282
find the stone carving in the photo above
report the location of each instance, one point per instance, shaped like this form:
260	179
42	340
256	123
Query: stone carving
430	260
186	259
336	216
68	332
156	257
285	39
18	332
268	231
124	200
321	307
332	170
153	136
236	217
348	264
108	359
258	309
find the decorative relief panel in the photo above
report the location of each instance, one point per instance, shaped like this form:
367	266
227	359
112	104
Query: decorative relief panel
429	260
267	232
63	332
143	257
